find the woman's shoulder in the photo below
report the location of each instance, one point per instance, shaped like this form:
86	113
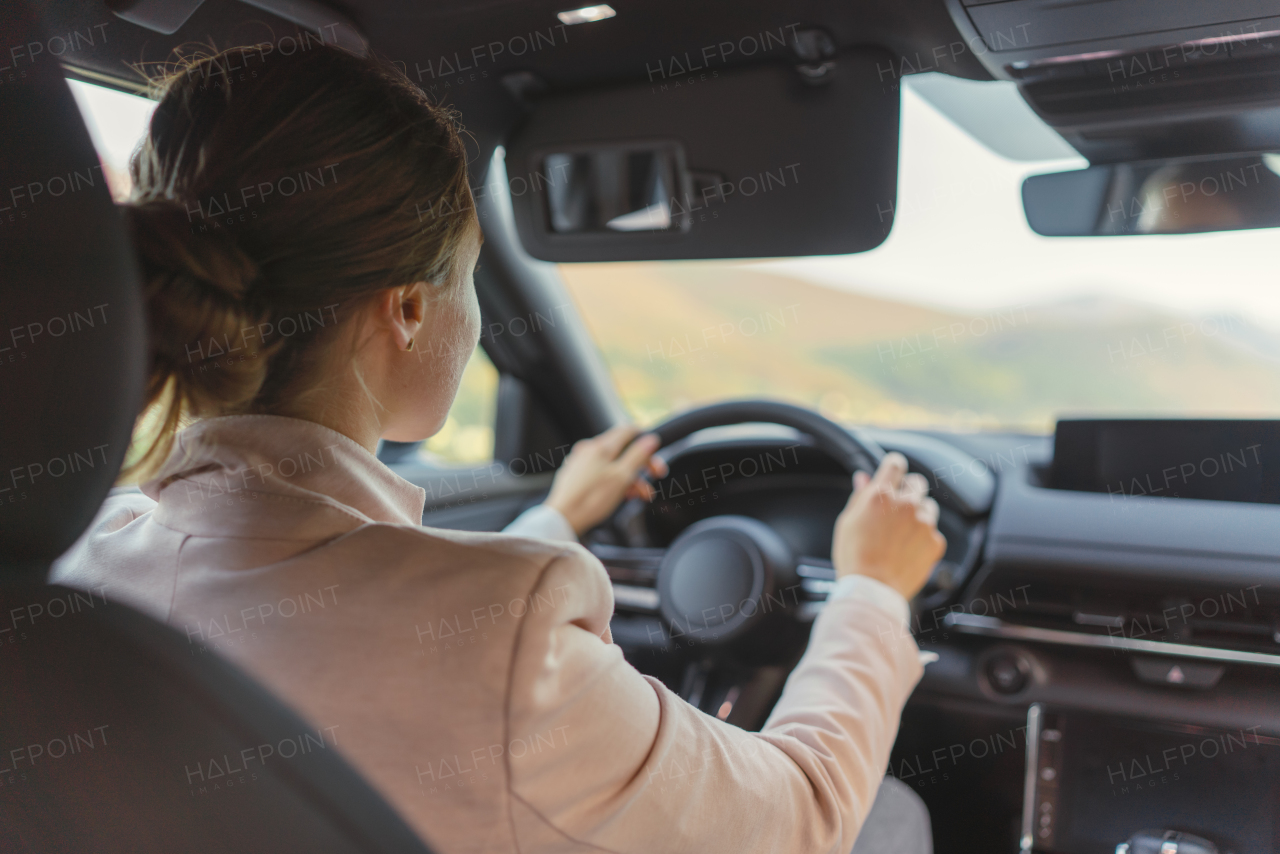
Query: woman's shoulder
94	556
453	569
123	506
498	550
495	544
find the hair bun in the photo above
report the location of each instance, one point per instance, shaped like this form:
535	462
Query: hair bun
163	237
197	291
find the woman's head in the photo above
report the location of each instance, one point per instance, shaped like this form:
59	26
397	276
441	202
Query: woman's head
300	221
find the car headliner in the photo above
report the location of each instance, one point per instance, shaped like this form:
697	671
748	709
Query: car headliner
617	50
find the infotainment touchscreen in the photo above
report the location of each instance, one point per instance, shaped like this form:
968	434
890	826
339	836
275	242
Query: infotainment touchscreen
1219	460
1094	782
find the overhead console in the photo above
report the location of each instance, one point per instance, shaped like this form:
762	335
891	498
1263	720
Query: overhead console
1046	28
1115	77
1024	34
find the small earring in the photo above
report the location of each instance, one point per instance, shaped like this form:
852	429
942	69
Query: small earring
410	347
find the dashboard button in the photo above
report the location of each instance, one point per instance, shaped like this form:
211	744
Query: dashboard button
1007	672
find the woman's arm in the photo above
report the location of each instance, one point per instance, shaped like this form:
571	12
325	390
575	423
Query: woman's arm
613	760
596	476
544	522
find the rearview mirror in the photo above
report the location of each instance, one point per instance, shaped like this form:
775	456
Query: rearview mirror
1182	196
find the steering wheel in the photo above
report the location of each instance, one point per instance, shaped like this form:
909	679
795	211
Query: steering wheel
853	451
726	578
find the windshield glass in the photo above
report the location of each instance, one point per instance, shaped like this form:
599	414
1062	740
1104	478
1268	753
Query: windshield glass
963	318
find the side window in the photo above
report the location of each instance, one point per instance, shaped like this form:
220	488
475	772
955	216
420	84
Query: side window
117	122
467	436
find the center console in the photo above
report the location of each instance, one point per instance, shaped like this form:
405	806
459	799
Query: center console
1097	784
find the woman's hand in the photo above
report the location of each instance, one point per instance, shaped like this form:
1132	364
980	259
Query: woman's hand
599	473
889	529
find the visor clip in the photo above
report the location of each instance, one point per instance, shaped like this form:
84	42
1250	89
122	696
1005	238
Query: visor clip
815	53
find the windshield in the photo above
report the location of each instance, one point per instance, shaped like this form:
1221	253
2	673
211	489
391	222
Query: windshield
963	319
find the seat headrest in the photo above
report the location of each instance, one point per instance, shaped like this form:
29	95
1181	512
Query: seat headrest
73	336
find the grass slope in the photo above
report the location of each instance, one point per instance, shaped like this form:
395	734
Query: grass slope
685	333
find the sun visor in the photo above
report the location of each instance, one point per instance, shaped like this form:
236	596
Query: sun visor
749	162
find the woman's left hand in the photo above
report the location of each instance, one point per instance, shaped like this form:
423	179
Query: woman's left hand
599	473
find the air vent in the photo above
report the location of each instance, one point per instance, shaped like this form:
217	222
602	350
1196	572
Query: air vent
1243	619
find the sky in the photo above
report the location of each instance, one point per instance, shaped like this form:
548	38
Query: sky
960	240
116	121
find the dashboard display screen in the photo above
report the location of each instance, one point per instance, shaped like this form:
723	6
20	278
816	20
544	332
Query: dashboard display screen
1217	460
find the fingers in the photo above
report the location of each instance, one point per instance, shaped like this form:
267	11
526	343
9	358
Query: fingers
658	467
927	512
893	480
613	440
643	489
640	489
915	487
888	531
939	545
638	454
892	469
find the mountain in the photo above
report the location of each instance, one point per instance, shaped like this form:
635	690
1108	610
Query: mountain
677	334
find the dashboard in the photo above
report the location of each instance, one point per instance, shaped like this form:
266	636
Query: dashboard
1076	629
1107	596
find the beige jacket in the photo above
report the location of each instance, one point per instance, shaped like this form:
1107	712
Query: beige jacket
471	678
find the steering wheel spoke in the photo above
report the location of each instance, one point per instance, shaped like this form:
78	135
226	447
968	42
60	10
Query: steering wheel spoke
634	575
817	580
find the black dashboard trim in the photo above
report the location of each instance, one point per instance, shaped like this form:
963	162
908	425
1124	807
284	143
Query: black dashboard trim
972	624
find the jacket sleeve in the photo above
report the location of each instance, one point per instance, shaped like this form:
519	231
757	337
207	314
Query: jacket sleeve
543	522
602	758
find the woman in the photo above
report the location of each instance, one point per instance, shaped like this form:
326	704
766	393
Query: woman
470	677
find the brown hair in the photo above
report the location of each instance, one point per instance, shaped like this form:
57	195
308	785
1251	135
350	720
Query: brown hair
269	202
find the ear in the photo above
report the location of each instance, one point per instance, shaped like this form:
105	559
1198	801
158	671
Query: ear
401	312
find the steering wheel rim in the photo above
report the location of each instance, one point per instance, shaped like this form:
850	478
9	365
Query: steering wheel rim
855	452
695	582
717	579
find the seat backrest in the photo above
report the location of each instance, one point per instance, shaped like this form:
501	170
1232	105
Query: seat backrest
116	734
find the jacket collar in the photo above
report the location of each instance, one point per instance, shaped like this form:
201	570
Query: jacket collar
276	477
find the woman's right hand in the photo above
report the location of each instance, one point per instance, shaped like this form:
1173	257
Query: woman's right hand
889	529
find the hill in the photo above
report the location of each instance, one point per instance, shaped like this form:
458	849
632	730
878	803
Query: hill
677	334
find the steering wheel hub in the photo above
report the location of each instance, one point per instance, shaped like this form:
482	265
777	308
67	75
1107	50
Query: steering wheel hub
721	576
